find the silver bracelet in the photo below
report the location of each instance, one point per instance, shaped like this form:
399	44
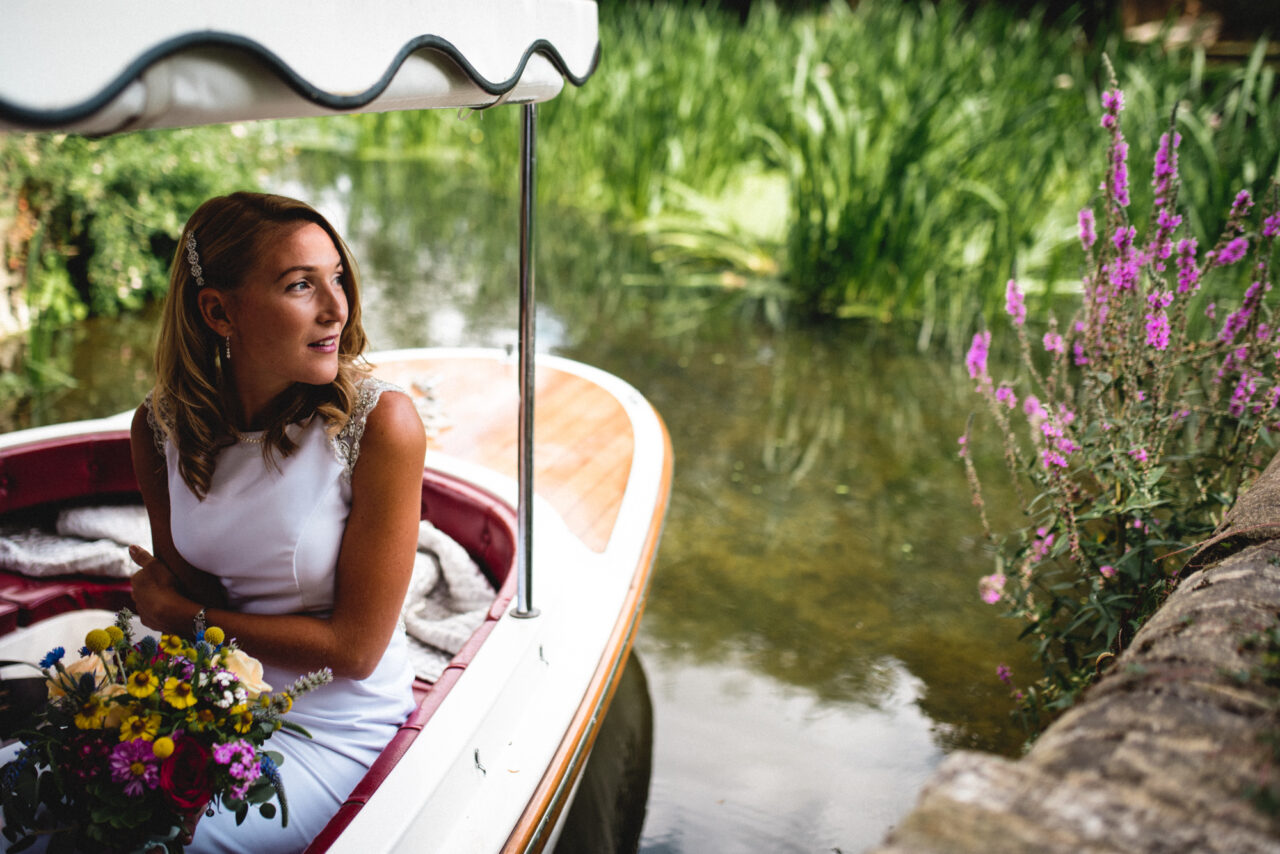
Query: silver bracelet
198	622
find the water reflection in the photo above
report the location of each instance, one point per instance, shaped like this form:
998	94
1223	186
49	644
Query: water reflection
813	633
744	766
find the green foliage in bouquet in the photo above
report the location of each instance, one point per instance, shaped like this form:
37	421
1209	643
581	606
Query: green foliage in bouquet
1130	431
137	740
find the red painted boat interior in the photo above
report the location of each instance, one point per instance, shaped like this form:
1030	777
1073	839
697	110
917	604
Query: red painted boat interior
77	469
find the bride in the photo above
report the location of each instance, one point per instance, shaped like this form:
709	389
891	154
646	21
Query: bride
283	485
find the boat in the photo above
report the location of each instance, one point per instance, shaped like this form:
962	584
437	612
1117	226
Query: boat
569	493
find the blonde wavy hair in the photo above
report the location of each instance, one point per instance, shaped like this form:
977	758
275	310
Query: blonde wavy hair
193	393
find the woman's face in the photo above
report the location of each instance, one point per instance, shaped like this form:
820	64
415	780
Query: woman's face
287	316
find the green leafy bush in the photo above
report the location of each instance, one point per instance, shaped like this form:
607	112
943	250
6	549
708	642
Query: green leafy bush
96	220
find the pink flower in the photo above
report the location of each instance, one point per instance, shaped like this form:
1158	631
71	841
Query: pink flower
1271	225
1053	342
1139	454
1034	411
1040	547
1107	570
1005	395
1014	303
1242	204
1232	252
963	442
1158	330
976	359
134	764
1088	228
990	587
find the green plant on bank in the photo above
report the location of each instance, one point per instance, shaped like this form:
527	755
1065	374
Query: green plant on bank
892	160
1130	429
887	161
95	221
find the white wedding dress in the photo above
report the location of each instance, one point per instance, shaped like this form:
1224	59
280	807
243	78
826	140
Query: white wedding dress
272	535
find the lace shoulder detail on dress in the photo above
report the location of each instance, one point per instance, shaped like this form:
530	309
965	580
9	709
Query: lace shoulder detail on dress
155	421
346	444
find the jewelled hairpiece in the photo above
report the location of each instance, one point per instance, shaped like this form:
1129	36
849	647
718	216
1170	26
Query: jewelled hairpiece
193	258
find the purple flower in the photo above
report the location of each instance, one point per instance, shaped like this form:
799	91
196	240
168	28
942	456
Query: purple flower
1271	225
1166	167
1014	303
242	764
1005	395
1240	398
1119	177
1237	320
1139	454
134	764
990	587
1107	570
1004	674
1040	547
1158	330
1053	342
1188	273
1034	411
1113	101
976	359
1232	252
1088	228
1240	207
1211	310
1078	354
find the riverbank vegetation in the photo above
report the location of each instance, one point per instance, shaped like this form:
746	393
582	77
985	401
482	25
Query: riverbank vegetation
1132	428
892	161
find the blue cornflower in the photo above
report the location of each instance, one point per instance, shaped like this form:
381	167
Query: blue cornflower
9	774
52	657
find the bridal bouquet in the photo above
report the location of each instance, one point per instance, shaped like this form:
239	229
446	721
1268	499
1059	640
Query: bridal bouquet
137	740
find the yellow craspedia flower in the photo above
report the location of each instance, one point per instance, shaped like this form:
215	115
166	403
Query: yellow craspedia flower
162	747
144	727
91	713
116	634
214	635
171	644
241	718
178	693
97	640
142	683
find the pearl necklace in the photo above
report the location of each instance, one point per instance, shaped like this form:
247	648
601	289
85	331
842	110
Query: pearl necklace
251	440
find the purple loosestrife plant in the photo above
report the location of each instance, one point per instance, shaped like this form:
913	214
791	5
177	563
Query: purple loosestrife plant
1137	427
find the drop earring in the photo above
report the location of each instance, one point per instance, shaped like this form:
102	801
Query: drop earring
227	349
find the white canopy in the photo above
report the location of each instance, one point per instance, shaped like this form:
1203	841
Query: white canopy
109	66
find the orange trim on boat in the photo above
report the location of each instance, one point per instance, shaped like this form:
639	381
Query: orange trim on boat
532	831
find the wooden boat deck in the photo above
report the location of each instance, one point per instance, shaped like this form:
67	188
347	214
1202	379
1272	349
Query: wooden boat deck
583	440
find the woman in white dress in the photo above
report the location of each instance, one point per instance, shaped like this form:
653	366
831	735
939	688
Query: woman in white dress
284	491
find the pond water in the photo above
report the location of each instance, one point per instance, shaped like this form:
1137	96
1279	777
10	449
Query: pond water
813	641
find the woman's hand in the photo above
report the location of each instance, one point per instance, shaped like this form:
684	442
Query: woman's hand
161	603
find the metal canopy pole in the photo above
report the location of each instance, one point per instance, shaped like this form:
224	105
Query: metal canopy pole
524	470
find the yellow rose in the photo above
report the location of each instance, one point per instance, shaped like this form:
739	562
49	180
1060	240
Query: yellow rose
247	669
91	664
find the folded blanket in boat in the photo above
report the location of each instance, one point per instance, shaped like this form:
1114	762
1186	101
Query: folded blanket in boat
447	600
85	541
